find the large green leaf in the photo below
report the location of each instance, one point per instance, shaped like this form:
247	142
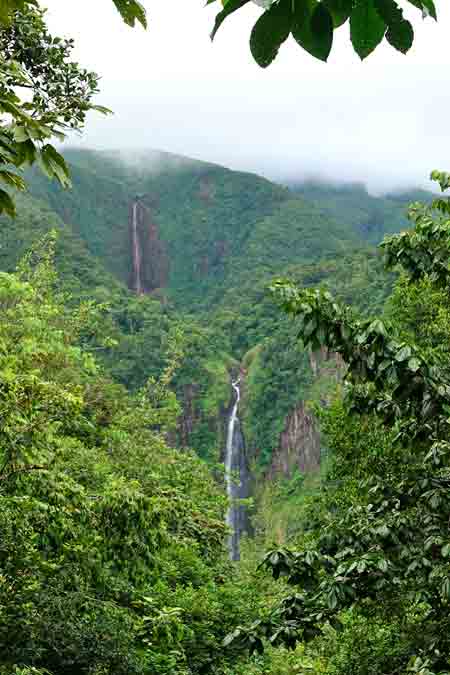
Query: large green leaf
12	179
313	28
230	7
367	28
400	33
54	165
270	31
401	36
389	11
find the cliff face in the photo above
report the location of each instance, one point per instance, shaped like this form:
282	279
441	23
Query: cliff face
149	259
190	415
299	445
204	398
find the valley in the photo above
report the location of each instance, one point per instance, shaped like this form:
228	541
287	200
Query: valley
224	392
175	246
193	385
170	242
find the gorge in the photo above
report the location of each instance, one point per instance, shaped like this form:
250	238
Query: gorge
196	245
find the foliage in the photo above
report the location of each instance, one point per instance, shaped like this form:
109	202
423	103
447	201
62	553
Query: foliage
382	548
312	25
225	236
130	10
58	94
43	92
111	558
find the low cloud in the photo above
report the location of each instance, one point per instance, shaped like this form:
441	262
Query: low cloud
383	122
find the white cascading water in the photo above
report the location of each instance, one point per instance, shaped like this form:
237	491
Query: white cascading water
232	517
136	251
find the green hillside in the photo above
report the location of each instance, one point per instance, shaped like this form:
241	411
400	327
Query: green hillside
124	392
217	225
204	213
370	216
226	234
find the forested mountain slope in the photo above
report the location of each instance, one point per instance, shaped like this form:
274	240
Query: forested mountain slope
142	378
203	213
370	216
214	226
215	239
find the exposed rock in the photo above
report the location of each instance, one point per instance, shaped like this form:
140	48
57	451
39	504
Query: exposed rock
190	414
145	244
299	445
300	442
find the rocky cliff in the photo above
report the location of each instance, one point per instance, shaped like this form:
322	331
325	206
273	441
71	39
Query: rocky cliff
149	268
300	443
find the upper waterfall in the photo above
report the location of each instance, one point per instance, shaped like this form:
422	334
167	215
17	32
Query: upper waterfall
149	259
136	250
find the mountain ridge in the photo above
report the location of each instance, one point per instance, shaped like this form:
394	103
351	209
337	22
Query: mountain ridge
223	235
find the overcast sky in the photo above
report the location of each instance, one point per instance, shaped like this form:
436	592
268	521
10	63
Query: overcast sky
384	121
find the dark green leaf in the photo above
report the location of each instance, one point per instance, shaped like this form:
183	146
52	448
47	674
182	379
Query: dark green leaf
131	11
389	11
270	31
427	6
401	36
6	204
313	28
367	28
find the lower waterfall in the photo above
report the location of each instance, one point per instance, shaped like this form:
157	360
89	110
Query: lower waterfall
236	478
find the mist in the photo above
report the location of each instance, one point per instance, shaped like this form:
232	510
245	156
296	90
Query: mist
382	122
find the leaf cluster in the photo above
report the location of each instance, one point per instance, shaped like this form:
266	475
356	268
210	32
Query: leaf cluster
312	24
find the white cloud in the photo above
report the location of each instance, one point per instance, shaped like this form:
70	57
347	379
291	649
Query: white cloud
383	121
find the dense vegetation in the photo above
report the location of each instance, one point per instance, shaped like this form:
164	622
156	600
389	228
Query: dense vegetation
92	452
111	557
127	531
312	25
370	571
225	236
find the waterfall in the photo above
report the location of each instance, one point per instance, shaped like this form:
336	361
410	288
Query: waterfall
136	251
236	478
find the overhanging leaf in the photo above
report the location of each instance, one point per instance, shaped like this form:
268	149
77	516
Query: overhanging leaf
367	28
426	6
401	36
313	28
6	204
400	32
13	180
131	11
270	31
54	165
